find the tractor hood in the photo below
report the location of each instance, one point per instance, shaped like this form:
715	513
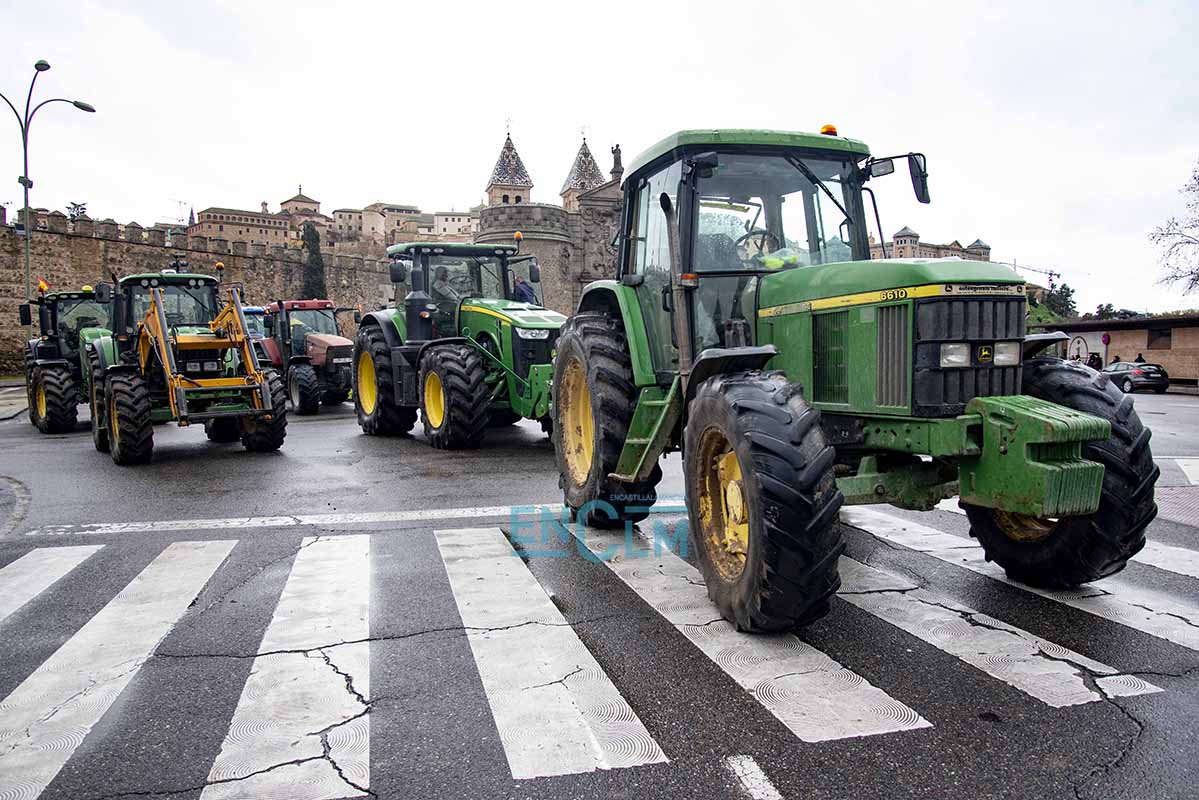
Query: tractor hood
318	343
855	282
514	312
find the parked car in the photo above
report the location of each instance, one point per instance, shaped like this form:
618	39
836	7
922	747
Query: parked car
1131	376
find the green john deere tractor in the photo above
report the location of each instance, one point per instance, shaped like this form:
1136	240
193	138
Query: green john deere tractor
470	347
55	385
749	327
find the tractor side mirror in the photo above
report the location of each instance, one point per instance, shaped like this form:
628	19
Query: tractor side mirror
704	163
881	167
25	314
357	316
104	293
399	272
918	166
534	271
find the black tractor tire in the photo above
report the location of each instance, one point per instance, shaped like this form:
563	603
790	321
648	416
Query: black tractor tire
597	343
1077	550
503	418
222	430
303	389
58	386
336	396
463	377
130	425
385	418
786	489
259	435
29	367
95	403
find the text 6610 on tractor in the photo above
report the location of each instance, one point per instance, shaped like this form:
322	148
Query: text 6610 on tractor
749	327
470	347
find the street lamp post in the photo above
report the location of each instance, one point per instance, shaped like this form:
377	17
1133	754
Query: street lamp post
23	122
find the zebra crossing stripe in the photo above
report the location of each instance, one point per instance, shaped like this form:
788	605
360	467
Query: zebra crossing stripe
1190	468
1112	599
814	696
301	729
1047	671
50	713
556	710
751	778
35	572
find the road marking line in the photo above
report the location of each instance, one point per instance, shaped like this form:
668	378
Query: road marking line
38	570
1190	468
309	706
810	693
1179	560
556	710
52	711
1047	671
1114	599
751	778
535	510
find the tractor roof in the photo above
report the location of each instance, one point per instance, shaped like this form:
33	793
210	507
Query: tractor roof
451	249
750	137
70	294
301	305
167	277
253	310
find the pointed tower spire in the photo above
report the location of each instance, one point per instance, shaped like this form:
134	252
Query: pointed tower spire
510	181
584	173
191	216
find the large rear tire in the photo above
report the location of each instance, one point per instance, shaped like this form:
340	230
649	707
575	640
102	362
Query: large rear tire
130	424
29	399
762	501
454	396
593	398
374	389
95	391
54	399
303	389
1076	550
260	435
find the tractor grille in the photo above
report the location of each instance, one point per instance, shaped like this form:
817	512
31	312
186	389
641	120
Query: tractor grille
944	392
527	352
893	369
830	364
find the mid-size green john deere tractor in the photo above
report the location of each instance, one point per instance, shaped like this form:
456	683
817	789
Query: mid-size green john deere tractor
53	381
470	348
177	353
749	327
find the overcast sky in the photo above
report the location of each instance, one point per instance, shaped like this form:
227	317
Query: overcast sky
1059	133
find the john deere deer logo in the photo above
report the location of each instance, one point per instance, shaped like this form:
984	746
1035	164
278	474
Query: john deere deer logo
984	353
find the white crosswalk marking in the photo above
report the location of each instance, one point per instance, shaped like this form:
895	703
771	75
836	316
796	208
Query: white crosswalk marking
810	693
1113	599
1163	556
556	710
751	778
1190	468
1049	672
38	570
301	730
50	713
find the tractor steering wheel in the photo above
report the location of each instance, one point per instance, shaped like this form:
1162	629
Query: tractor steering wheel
762	235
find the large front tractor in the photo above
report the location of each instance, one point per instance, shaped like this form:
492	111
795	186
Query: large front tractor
66	321
749	327
178	353
301	341
469	346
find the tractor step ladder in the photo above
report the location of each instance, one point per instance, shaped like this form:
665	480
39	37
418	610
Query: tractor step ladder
655	416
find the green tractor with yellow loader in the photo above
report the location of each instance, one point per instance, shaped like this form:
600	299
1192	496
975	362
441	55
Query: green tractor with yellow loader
749	327
469	345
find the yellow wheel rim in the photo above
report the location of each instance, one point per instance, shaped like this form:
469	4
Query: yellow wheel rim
39	396
1024	527
434	399
723	504
578	427
368	393
114	424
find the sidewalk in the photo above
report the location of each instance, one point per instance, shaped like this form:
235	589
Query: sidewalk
12	400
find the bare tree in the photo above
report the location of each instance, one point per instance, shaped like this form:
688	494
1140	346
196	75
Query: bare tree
1178	239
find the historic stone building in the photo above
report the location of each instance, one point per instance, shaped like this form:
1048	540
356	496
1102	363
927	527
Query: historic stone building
263	227
572	241
906	244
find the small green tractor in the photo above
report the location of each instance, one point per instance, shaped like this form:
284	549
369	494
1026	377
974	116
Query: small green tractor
460	348
177	353
749	327
55	386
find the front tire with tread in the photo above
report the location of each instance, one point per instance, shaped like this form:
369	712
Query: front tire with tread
62	412
259	435
303	389
130	424
463	377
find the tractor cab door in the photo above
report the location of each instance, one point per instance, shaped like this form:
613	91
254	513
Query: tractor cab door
647	267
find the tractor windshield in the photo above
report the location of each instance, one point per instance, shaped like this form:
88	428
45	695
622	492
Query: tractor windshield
765	212
313	320
454	278
256	325
193	306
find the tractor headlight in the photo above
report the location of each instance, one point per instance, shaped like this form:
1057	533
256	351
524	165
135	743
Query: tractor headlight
1007	354
955	354
211	366
193	366
533	333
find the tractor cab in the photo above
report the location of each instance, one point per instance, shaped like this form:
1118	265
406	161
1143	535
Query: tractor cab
301	339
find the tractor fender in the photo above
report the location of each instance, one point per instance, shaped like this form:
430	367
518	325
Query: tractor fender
1036	342
291	362
723	360
51	362
620	301
438	342
385	319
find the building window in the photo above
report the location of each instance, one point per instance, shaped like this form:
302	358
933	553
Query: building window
518	198
505	198
1159	338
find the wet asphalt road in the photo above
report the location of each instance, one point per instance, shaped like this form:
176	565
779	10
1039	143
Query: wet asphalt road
432	726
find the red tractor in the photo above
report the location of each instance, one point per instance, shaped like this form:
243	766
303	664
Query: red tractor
302	342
